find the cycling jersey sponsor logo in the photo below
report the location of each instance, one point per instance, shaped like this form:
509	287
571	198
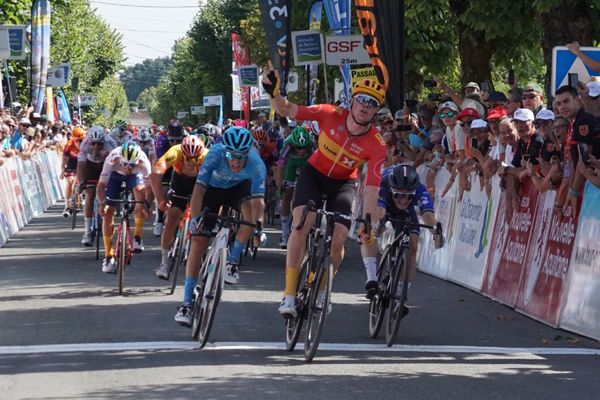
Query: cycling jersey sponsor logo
355	148
337	154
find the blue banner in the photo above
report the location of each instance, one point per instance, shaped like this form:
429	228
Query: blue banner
40	51
338	15
63	108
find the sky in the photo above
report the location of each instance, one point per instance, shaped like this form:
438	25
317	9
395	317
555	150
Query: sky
149	27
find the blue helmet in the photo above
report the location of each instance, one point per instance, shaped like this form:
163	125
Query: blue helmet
237	139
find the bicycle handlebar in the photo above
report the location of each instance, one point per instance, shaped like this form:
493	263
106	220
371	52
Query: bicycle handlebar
437	228
206	213
312	207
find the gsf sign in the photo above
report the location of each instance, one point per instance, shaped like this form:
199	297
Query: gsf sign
348	49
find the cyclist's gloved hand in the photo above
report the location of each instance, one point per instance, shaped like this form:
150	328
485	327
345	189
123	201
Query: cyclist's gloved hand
272	85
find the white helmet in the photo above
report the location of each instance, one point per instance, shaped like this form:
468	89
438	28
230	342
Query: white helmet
96	134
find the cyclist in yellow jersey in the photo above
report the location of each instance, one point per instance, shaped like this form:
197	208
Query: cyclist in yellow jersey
186	159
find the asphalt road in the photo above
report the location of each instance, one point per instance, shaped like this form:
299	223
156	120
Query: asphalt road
66	334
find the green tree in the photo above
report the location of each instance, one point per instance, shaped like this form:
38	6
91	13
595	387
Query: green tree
146	98
140	76
111	103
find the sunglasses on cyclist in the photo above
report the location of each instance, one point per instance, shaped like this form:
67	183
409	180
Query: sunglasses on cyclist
174	140
236	155
144	142
448	114
297	148
128	165
366	101
400	195
96	143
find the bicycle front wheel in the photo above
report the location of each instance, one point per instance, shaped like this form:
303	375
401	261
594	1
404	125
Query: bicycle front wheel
123	250
380	302
212	295
318	303
398	292
182	249
293	326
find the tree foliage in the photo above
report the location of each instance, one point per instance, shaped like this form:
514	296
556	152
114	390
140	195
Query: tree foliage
143	75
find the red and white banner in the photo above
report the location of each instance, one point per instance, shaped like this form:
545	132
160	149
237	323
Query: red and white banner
506	261
241	56
549	255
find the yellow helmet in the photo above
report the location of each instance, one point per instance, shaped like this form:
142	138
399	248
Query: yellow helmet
371	88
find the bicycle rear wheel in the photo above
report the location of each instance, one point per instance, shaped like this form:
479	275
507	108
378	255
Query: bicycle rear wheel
380	302
197	307
293	325
398	291
212	296
123	241
318	305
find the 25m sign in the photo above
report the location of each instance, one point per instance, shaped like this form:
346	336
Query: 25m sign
348	49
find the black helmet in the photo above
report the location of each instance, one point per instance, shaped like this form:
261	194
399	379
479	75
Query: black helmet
404	177
175	129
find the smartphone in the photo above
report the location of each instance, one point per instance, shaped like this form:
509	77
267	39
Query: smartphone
429	83
473	143
573	80
511	77
485	86
584	150
434	96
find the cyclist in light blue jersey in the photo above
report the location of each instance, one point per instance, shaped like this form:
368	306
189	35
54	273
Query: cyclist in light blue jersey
232	175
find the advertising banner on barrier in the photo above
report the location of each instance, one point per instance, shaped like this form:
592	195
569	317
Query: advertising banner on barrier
547	262
581	308
429	260
476	216
27	188
505	263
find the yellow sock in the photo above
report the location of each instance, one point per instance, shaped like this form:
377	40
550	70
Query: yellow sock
108	251
139	224
291	280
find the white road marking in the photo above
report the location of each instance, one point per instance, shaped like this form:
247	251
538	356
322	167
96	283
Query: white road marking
336	347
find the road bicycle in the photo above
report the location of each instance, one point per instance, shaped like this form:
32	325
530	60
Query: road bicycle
180	247
393	277
96	226
124	244
271	201
313	299
207	293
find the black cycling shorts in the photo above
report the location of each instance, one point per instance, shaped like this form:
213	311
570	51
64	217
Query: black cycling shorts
167	176
215	198
181	185
92	171
312	184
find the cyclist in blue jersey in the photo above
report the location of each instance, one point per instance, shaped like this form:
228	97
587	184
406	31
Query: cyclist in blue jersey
232	175
399	193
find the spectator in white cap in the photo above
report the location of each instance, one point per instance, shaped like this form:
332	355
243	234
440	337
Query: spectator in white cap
590	97
17	139
543	123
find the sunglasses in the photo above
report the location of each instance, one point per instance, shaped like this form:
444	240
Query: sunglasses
400	195
96	143
174	140
236	155
528	96
542	123
128	165
143	142
297	148
366	101
448	114
387	122
466	123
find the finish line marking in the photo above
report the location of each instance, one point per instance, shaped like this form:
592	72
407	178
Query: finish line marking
337	347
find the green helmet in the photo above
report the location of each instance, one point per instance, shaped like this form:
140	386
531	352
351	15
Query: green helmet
120	124
300	137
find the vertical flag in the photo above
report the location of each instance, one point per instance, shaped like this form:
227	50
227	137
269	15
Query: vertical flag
382	26
241	56
63	108
338	15
276	23
314	24
40	51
